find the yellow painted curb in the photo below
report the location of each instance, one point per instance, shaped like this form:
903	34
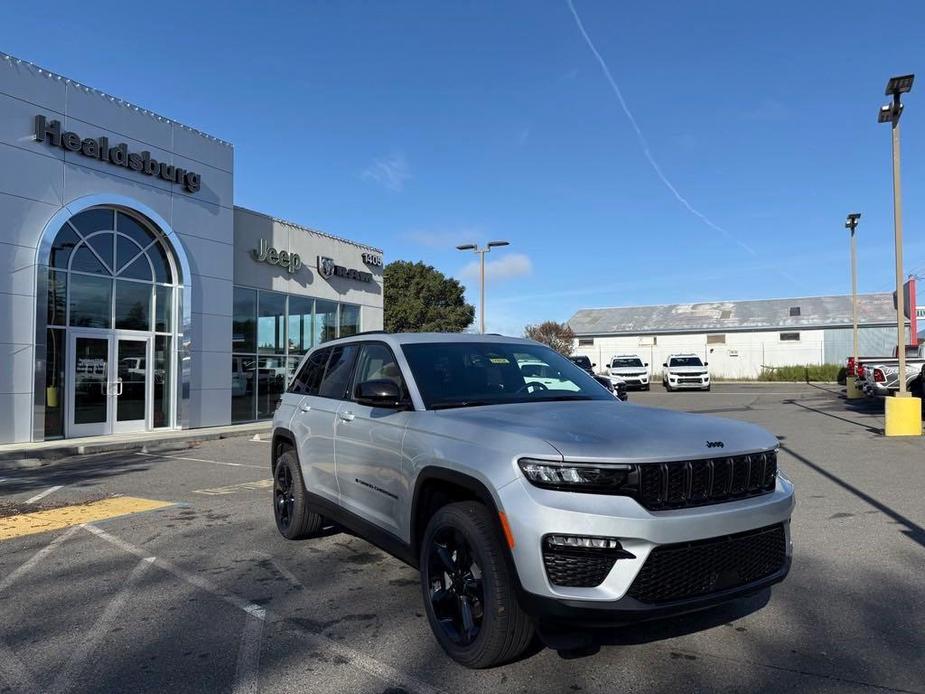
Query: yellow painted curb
66	516
903	417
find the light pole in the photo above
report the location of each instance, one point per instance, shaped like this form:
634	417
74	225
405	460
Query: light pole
852	224
482	251
890	113
903	416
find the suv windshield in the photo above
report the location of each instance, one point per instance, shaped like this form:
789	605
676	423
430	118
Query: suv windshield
468	374
583	362
625	363
685	361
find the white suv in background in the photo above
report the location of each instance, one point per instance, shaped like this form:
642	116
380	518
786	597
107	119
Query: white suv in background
685	371
631	369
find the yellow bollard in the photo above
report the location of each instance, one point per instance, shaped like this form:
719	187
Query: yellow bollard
854	393
903	417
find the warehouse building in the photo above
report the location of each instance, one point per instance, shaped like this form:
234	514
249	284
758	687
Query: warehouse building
739	338
134	294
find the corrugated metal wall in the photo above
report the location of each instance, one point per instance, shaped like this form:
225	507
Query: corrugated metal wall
871	342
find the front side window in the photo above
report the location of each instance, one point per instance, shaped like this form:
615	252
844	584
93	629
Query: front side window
468	374
377	363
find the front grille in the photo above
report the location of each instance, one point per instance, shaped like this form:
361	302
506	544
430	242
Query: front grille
695	569
689	380
693	483
576	567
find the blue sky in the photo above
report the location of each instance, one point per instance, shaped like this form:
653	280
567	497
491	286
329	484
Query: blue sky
415	126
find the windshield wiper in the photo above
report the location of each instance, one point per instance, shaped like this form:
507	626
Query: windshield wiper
562	397
461	403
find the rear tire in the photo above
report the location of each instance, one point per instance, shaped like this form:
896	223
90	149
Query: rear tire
468	588
294	519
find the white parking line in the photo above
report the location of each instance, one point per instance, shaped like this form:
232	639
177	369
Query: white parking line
202	460
361	661
68	677
248	664
42	495
282	570
7	580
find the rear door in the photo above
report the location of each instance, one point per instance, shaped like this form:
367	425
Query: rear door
313	426
368	446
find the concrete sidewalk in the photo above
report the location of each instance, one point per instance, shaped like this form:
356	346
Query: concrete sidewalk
16	456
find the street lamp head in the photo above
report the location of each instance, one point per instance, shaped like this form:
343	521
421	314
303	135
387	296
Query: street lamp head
899	85
852	221
495	244
467	247
886	113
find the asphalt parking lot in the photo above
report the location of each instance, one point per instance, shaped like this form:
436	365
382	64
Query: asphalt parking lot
202	594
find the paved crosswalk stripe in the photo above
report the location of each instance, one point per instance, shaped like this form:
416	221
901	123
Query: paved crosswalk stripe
66	516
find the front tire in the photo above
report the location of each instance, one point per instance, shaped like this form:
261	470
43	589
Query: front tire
294	519
468	588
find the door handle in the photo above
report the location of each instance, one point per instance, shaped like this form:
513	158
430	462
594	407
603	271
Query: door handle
305	407
347	416
119	385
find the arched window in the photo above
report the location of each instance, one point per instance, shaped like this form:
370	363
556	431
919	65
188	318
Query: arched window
110	269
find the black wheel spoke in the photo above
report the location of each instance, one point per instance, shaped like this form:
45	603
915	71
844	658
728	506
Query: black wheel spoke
446	559
469	630
456	591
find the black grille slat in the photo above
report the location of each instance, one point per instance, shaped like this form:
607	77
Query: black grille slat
577	568
739	475
693	483
694	569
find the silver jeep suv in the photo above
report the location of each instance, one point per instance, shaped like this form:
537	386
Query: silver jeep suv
525	506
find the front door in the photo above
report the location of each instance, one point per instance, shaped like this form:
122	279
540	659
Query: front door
109	385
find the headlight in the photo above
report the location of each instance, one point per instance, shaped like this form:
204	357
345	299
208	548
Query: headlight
592	479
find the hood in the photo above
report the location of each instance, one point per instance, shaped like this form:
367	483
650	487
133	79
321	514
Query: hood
608	430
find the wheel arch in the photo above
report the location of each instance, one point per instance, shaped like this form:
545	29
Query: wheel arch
283	440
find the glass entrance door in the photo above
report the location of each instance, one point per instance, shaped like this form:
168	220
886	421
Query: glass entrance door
110	384
88	395
131	384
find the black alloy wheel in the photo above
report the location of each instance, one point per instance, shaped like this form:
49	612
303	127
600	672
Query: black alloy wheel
283	498
455	580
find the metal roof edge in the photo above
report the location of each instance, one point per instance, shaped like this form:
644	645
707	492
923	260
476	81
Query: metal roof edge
122	102
740	329
302	227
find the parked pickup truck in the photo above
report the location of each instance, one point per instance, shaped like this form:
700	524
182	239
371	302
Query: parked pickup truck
879	376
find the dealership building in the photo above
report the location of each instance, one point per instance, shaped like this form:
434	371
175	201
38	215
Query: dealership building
739	339
134	294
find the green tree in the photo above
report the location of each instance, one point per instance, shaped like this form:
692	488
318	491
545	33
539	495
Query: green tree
559	336
419	298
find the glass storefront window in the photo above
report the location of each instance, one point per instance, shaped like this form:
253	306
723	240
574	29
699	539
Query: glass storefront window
54	383
349	320
57	298
133	305
244	321
163	381
243	392
300	324
272	377
90	300
163	308
325	321
271	323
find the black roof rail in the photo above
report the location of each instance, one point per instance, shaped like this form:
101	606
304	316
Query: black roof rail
372	332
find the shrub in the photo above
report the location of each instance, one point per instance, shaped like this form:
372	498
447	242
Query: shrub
801	372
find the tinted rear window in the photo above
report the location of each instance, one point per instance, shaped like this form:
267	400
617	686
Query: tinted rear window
309	377
339	372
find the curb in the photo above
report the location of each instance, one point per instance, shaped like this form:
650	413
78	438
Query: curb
24	459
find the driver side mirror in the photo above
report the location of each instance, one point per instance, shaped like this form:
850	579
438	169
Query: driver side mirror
706	363
665	364
645	363
379	393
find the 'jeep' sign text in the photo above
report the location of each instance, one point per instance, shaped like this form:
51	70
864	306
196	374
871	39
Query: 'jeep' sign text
118	155
264	253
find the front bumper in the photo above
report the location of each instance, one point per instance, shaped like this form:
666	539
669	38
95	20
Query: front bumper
684	382
633	381
533	513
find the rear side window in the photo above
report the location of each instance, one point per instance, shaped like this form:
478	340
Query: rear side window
308	379
337	376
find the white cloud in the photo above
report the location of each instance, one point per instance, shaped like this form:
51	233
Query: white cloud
391	171
506	267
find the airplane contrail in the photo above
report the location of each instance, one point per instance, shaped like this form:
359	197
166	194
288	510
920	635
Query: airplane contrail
645	145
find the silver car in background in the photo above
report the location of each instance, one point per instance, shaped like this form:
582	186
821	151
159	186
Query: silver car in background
527	504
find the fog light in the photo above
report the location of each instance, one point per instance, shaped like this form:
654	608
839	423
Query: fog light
586	542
